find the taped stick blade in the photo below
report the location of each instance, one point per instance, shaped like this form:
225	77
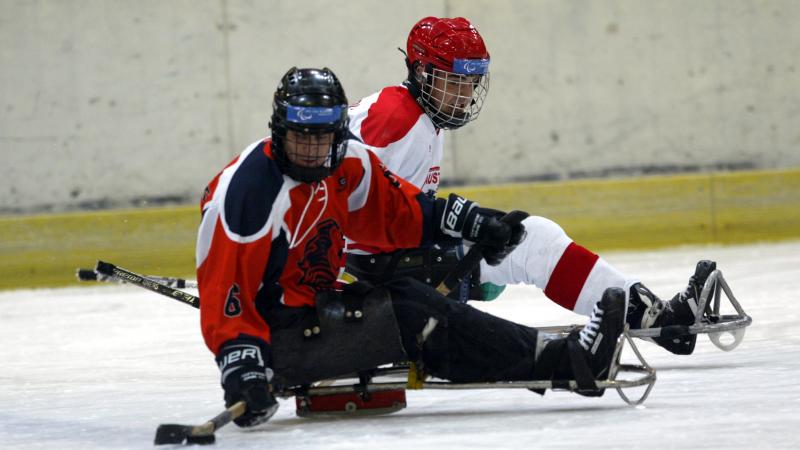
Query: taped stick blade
171	434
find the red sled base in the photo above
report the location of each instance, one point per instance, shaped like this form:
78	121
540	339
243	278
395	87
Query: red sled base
351	403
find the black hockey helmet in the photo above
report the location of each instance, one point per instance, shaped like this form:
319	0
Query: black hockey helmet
310	102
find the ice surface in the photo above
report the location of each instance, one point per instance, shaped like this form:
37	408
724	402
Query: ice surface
101	367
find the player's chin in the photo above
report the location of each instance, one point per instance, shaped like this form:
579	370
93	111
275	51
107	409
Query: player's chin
310	163
458	113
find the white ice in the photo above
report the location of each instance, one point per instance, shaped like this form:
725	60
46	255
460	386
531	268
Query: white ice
101	367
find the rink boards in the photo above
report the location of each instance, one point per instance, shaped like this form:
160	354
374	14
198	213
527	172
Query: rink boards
635	213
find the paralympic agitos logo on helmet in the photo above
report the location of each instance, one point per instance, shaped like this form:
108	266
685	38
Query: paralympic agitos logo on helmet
321	256
471	66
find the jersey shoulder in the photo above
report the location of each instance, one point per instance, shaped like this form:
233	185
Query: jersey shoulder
252	191
390	117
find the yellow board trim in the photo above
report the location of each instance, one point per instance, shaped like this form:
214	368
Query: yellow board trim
46	250
660	211
635	213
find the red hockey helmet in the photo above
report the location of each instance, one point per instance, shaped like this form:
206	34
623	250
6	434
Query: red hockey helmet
448	70
441	41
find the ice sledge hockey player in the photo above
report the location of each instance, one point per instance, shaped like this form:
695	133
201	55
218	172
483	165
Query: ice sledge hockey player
269	250
447	82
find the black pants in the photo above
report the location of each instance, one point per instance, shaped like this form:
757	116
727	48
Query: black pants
467	345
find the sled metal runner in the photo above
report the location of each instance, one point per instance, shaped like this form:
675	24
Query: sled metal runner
708	319
645	376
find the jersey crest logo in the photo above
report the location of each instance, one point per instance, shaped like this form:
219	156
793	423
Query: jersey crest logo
321	256
233	306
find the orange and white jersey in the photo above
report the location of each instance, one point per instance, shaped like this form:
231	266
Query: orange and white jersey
266	238
391	124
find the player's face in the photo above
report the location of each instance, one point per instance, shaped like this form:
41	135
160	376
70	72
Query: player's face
308	149
453	92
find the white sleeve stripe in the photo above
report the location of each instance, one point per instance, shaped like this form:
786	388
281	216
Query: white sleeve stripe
282	204
358	198
214	211
206	233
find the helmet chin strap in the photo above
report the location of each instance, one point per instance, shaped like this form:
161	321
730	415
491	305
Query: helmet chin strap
411	83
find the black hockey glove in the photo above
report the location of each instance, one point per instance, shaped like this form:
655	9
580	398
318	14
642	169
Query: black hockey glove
464	219
244	363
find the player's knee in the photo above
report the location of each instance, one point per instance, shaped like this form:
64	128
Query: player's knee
543	229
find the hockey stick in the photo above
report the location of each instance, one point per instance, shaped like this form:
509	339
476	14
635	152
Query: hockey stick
174	433
92	275
453	279
474	256
416	371
168	287
110	270
198	434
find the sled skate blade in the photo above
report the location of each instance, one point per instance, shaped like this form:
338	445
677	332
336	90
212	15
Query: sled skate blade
351	404
648	374
708	319
736	334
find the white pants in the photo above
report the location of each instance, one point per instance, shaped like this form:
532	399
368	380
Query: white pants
569	274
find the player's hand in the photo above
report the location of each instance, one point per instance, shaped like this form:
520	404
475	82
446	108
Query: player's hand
464	219
244	364
499	239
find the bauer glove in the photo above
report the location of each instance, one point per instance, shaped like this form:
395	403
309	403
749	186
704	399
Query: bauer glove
244	363
464	219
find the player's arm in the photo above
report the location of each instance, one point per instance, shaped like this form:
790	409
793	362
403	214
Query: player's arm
232	250
392	212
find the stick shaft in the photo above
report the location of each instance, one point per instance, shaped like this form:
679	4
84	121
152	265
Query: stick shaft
473	257
173	282
221	419
142	281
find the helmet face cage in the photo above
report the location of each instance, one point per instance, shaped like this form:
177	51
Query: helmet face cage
309	153
448	70
452	99
309	124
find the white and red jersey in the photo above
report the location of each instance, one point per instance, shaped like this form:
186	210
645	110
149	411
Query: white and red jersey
266	238
393	125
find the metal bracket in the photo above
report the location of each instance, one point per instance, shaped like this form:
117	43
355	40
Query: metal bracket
708	319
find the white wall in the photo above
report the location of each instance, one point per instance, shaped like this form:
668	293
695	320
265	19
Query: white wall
113	103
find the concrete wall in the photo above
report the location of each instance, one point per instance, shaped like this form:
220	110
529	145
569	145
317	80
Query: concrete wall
113	103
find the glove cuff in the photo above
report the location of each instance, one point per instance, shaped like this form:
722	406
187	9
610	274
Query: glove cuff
455	215
246	357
